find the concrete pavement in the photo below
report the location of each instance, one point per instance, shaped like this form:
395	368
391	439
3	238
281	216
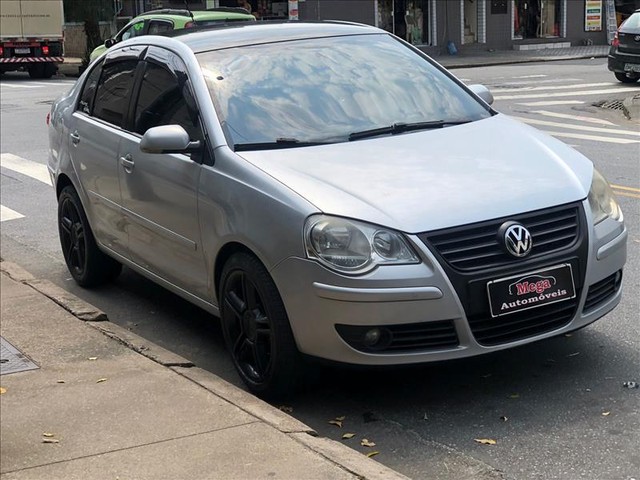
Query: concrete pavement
102	403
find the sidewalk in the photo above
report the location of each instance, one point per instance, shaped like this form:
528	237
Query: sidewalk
102	403
482	58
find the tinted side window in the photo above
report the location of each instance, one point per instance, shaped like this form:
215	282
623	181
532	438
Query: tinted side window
165	99
157	27
85	105
114	90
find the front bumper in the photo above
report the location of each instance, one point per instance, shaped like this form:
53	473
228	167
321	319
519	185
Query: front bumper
422	306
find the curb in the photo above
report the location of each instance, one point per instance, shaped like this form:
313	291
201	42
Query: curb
335	452
493	63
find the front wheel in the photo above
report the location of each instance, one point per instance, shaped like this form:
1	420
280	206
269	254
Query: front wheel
87	264
256	328
622	77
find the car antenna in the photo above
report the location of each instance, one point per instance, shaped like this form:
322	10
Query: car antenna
186	4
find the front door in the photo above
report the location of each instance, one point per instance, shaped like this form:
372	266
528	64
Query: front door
159	191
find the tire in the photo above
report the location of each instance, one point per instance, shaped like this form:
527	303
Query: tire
49	70
88	265
36	71
622	77
256	329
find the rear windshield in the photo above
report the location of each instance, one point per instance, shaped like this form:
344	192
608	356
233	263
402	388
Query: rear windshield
633	21
323	89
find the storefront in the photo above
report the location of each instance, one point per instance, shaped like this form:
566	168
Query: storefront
408	19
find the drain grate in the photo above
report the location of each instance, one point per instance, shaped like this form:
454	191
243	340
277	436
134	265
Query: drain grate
13	360
610	104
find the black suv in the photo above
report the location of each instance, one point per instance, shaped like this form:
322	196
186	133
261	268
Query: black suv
624	55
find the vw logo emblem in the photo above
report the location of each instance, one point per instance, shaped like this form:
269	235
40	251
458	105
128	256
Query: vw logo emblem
637	38
517	239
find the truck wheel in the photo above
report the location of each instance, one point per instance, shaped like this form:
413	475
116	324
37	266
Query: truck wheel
36	71
49	70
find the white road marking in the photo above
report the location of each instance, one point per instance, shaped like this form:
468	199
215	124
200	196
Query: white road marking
551	103
580	118
558	87
533	121
8	214
26	167
531	76
42	84
595	138
565	94
17	85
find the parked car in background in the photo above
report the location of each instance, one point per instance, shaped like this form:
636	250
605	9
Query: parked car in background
329	190
158	22
624	54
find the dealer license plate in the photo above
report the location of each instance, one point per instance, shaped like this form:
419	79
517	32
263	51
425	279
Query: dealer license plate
632	67
531	290
23	50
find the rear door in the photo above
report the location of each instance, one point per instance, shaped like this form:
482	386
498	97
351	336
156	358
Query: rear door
159	191
95	134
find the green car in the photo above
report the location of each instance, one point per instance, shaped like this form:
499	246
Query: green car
158	22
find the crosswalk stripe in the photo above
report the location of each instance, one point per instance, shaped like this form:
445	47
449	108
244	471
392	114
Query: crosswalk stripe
551	103
565	94
26	167
595	138
531	76
558	87
533	121
42	84
579	118
8	214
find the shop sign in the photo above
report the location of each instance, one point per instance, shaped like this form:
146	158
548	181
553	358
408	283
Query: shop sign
593	15
293	9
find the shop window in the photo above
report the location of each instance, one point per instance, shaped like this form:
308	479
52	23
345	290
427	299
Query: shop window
408	19
537	18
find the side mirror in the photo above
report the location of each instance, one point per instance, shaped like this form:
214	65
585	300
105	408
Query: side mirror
109	42
483	92
168	139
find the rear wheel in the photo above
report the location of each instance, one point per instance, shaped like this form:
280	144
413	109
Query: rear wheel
49	70
256	328
37	71
86	263
622	77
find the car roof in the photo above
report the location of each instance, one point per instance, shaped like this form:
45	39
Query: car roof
250	33
218	14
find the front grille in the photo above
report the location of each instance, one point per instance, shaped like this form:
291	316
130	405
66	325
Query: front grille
477	246
410	337
602	291
528	323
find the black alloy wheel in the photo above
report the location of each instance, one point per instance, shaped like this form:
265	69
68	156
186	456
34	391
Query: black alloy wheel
256	328
86	263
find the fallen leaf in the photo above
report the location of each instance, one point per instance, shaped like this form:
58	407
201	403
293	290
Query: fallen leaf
48	435
372	454
285	409
514	395
606	414
336	422
50	440
60	381
100	380
366	443
341	419
347	436
504	419
3	390
93	358
485	441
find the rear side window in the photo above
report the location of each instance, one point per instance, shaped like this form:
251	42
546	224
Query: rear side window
158	27
85	105
114	91
165	99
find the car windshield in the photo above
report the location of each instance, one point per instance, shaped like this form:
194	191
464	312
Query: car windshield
325	90
632	22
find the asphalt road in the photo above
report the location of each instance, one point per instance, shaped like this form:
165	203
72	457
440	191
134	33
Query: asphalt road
557	409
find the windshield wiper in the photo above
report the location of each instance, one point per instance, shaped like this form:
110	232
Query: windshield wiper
278	143
397	128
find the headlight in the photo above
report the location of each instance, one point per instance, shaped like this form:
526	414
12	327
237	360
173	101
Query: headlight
354	247
603	203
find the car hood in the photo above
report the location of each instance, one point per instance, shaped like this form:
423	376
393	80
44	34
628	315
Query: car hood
437	178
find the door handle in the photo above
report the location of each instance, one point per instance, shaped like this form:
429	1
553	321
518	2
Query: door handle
75	138
127	162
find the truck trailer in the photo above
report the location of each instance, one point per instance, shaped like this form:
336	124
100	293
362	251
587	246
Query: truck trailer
31	37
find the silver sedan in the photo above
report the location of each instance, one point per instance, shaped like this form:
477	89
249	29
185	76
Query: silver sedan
329	191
